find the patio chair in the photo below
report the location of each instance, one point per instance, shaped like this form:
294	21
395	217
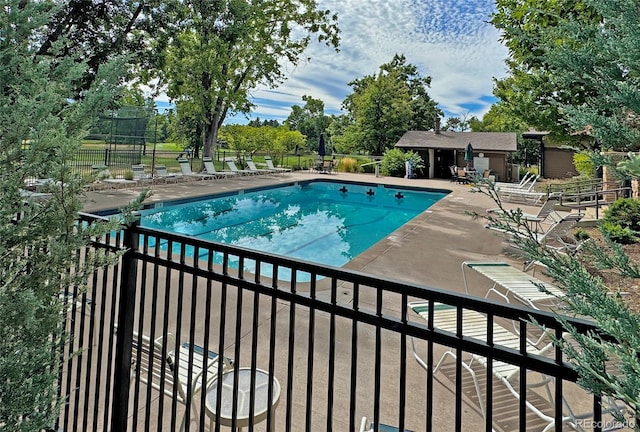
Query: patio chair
232	166
104	178
454	173
546	213
252	167
162	175
185	166
523	181
474	325
274	168
556	237
210	168
140	176
365	426
509	282
168	370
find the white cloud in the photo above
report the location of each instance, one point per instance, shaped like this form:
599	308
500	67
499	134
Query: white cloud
449	40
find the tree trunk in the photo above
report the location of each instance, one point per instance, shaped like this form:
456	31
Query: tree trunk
210	137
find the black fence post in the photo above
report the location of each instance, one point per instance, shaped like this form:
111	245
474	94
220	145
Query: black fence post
126	310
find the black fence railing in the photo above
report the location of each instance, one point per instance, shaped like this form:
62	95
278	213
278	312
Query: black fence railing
326	346
120	160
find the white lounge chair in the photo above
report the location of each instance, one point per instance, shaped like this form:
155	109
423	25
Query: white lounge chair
523	181
509	282
185	166
521	196
546	213
162	175
179	376
554	237
526	186
252	167
210	168
474	325
234	168
274	168
140	176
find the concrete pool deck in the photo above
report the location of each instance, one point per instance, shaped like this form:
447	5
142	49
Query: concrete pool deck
428	250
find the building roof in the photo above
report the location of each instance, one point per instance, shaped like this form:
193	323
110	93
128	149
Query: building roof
533	134
481	141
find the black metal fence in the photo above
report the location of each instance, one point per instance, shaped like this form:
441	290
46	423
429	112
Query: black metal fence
120	160
338	343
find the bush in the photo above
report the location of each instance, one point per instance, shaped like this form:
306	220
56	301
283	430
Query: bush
621	221
526	170
584	165
618	234
393	162
350	165
581	234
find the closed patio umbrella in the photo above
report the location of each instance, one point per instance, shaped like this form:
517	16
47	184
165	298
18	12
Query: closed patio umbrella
468	154
322	150
321	147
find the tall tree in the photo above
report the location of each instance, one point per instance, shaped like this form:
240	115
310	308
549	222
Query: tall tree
382	112
40	130
233	46
533	92
498	119
386	105
456	124
309	119
602	57
96	31
424	109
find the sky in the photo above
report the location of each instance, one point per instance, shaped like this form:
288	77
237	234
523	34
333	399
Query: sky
449	40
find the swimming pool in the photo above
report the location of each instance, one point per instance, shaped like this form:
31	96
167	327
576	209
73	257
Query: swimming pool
320	221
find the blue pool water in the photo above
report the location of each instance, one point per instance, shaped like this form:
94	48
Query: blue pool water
324	222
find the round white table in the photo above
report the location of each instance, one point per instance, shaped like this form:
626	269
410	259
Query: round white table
245	392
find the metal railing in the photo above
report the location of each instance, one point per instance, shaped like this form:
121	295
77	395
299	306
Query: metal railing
594	199
120	160
576	187
336	340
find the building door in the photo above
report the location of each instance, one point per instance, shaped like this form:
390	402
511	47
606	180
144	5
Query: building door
442	161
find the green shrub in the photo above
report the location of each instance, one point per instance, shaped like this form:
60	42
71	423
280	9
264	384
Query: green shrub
618	234
584	165
393	162
621	221
350	165
581	234
624	212
525	170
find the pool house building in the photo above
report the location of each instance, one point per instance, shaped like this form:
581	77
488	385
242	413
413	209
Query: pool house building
442	149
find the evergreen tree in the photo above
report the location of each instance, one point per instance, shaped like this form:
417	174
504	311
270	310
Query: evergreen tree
606	359
574	67
40	131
